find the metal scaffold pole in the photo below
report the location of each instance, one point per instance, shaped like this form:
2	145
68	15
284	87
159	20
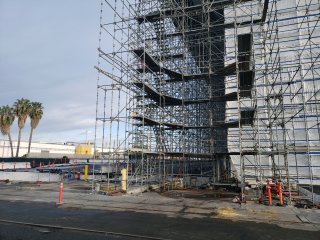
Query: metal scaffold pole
210	91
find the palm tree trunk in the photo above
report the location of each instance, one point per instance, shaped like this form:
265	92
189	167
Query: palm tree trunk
10	142
31	131
19	138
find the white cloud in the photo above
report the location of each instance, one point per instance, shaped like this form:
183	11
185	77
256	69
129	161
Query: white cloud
47	54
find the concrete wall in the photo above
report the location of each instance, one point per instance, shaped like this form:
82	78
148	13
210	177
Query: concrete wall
29	176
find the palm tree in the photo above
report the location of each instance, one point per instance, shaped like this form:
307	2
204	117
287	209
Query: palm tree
6	120
22	109
35	114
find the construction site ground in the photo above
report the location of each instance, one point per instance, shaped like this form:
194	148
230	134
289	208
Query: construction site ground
30	211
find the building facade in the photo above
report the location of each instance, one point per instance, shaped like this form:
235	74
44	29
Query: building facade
220	89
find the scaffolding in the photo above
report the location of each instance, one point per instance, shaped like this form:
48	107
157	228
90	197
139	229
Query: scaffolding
197	91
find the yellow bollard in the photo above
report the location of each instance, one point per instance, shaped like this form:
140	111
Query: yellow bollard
86	172
280	193
124	180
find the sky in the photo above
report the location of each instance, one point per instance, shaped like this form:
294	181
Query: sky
48	50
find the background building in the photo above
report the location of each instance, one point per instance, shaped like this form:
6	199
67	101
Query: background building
39	149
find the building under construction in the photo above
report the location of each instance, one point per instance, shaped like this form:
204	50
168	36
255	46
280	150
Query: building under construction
196	91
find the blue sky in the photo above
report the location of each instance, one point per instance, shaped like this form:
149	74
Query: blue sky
47	54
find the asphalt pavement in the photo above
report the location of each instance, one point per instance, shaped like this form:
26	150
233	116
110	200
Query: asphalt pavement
37	220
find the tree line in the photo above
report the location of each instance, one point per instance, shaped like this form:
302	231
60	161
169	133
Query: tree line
21	109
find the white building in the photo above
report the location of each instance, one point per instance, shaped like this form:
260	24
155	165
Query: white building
36	148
